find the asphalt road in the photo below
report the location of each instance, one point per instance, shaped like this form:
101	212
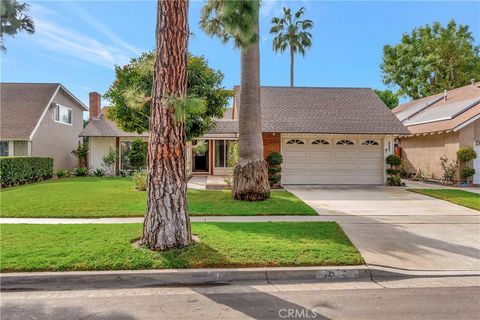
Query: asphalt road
448	298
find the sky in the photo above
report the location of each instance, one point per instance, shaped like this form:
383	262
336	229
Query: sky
78	43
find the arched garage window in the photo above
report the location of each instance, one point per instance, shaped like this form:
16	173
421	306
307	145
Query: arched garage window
345	143
295	141
320	141
370	143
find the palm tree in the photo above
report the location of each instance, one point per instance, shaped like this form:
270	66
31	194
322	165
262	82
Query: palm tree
291	32
166	223
14	19
238	21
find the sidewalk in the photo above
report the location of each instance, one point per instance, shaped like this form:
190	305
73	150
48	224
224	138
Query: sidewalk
410	184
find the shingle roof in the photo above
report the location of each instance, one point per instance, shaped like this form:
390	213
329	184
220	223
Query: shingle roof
21	106
102	127
461	105
325	110
302	110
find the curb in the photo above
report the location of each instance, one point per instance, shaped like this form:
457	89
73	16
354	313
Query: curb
144	278
175	277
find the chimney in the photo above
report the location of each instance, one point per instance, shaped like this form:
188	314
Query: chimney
94	105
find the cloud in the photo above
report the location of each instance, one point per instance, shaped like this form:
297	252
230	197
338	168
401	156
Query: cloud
59	39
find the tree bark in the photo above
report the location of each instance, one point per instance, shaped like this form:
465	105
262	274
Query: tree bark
166	223
292	61
250	177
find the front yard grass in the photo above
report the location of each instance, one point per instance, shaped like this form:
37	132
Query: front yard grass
224	245
464	198
92	197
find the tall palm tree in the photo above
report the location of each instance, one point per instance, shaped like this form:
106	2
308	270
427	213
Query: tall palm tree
238	21
166	223
14	19
291	32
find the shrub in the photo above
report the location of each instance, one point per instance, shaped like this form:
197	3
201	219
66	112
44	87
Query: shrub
80	172
140	180
274	161
81	153
393	160
449	168
395	181
108	161
99	172
62	173
19	170
466	154
392	172
138	154
467	172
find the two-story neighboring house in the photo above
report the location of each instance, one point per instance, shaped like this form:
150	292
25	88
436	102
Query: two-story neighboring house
41	120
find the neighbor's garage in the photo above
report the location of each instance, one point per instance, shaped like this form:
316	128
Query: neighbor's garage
329	160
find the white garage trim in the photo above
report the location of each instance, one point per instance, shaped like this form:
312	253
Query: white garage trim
476	163
333	159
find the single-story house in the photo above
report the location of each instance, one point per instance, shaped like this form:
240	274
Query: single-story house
326	135
41	120
438	126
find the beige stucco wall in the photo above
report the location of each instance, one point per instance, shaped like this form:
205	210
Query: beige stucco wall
424	152
97	149
57	140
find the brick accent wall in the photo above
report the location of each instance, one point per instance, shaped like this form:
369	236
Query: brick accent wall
271	143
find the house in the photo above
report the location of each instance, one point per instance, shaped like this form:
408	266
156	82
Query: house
41	120
439	125
326	135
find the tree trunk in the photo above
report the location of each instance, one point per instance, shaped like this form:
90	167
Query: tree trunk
292	61
166	223
250	177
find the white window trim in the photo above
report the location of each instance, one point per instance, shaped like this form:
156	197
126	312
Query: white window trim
61	122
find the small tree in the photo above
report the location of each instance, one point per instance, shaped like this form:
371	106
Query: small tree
138	154
464	155
81	153
275	161
109	161
394	161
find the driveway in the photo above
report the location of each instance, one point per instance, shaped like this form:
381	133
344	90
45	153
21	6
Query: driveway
399	229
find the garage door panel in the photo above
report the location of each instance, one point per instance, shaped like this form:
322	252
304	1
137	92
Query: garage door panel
332	164
320	179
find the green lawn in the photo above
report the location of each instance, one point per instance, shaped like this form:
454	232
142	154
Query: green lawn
460	197
108	247
115	197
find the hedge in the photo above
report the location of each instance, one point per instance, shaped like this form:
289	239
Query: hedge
19	170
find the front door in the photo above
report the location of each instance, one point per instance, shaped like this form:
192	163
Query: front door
200	160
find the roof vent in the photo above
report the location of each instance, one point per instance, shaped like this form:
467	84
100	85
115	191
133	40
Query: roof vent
445	95
472	81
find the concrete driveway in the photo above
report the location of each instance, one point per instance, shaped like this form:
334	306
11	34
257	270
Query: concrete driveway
396	228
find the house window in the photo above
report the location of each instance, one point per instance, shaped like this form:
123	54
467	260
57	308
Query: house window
3	148
345	143
370	143
225	153
63	114
295	141
320	142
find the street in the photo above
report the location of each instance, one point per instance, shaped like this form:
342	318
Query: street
416	298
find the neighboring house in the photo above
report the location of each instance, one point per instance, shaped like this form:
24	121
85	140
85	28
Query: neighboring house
41	120
439	125
326	135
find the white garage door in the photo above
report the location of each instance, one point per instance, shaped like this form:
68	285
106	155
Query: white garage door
476	164
332	161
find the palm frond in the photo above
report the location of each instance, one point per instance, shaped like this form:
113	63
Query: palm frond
189	105
135	98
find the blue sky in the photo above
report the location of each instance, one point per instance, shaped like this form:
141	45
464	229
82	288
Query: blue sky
78	43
